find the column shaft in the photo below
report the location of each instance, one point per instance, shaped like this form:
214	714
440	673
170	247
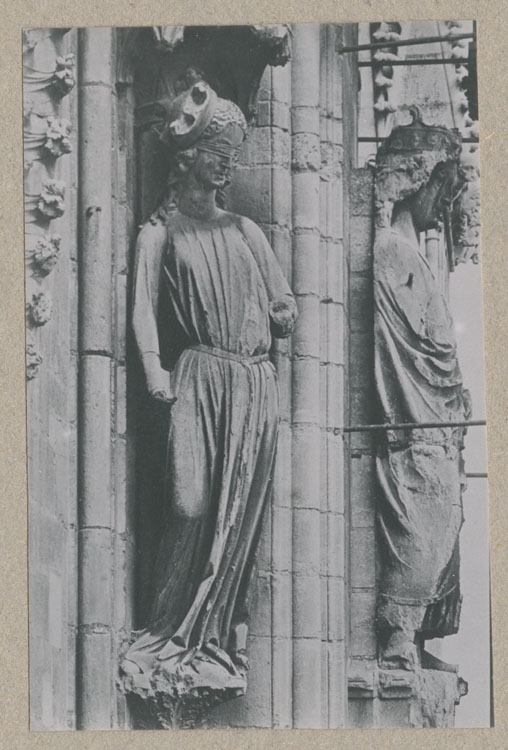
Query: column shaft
95	681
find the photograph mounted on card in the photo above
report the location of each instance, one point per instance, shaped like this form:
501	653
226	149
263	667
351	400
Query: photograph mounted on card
256	409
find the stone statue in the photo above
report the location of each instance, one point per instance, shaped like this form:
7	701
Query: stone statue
209	295
418	379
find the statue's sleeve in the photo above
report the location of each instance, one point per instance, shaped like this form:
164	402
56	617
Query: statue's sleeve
147	272
283	310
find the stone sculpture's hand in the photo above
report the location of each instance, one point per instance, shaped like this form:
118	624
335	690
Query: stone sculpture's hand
283	314
157	379
162	395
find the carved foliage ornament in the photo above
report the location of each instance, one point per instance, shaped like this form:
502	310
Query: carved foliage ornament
46	138
51	143
61	80
465	92
57	136
33	361
44	256
39	308
466	212
51	201
383	71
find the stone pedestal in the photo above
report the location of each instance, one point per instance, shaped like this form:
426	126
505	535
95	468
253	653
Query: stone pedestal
400	698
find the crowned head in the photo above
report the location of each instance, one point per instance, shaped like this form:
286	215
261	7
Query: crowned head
199	118
413	156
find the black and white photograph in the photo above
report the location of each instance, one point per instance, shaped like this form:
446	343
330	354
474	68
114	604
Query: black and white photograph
256	424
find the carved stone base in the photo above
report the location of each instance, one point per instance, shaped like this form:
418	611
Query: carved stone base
169	700
403	698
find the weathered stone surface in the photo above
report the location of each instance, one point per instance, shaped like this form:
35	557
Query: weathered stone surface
306	201
331	162
306	266
306	531
363	638
363	557
363	491
360	244
361	304
305	393
400	699
337	618
282	665
307	683
307	601
167	701
362	193
306	154
305	341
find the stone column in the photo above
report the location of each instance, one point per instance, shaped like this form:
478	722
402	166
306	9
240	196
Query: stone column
361	448
306	413
125	401
332	381
95	681
281	538
318	381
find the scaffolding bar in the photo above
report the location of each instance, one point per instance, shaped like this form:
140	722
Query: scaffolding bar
373	139
421	61
410	426
406	42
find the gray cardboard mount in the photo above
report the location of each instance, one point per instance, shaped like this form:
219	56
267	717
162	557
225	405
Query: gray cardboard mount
492	17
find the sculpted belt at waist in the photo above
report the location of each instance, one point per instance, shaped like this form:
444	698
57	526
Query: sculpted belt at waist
223	354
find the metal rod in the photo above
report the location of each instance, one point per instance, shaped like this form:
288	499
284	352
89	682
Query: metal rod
425	61
405	42
410	426
477	475
374	139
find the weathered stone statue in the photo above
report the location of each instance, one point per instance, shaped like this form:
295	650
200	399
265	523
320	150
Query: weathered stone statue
418	379
206	281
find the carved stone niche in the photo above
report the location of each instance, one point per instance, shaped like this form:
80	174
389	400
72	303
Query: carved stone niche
157	63
156	60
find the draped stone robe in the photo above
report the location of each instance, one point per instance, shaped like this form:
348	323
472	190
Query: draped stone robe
217	289
420	471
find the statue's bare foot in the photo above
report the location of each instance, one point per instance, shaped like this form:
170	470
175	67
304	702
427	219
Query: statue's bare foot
429	661
129	667
400	652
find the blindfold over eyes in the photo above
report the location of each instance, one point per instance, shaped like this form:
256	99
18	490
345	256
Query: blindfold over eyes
219	149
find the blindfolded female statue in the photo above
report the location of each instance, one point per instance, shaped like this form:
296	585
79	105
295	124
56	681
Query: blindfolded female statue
225	296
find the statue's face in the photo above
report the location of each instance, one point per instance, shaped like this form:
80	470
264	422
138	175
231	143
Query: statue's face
217	156
212	171
435	196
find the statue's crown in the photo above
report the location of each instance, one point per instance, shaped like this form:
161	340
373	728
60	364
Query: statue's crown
418	136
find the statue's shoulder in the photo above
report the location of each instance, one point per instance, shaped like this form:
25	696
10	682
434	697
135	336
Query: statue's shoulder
152	233
391	240
248	227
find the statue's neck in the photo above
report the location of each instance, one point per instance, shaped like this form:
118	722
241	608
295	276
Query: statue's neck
403	223
197	202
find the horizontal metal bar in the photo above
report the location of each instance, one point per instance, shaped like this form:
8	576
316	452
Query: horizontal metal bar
373	139
410	426
405	42
425	61
477	475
